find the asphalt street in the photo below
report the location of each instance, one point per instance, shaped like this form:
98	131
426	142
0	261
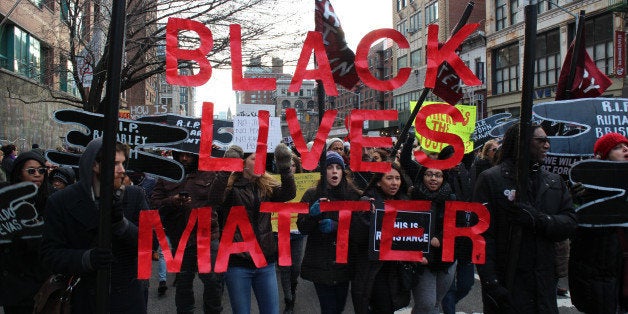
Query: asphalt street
307	303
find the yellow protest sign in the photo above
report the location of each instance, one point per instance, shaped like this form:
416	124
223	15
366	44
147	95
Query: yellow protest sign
444	123
303	181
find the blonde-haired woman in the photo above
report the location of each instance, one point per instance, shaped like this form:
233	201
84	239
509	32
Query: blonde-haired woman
249	189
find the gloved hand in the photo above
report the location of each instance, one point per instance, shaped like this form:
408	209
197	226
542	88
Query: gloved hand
578	191
315	209
100	258
327	225
522	214
497	294
283	158
117	211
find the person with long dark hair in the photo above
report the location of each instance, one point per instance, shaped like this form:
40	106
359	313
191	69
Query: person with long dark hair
331	280
376	286
21	272
519	273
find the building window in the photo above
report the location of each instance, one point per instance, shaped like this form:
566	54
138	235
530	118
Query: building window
285	104
506	73
27	55
500	14
415	22
415	59
542	6
479	69
514	12
431	13
547	64
599	42
401	27
402	62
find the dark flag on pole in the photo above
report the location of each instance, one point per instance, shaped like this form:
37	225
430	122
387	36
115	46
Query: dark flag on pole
448	84
588	80
341	58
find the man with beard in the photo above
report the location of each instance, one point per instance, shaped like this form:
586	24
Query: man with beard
69	244
175	201
519	273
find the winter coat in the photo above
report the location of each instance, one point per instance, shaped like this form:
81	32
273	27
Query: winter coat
174	217
246	193
534	287
319	262
71	230
21	271
595	266
367	270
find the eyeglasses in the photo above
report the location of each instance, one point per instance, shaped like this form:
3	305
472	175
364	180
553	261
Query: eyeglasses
31	171
433	174
542	139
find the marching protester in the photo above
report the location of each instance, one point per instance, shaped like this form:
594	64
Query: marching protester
61	177
485	159
10	153
3	175
289	275
175	201
22	271
249	189
519	273
436	279
376	287
331	280
595	263
69	244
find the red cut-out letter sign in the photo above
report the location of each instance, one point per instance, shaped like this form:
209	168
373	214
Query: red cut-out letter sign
474	232
174	53
238	219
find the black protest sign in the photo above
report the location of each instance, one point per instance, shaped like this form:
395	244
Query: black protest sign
222	135
484	128
404	220
584	121
605	202
560	164
18	217
136	134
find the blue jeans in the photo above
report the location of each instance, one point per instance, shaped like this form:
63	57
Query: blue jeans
332	298
460	287
162	270
263	280
289	275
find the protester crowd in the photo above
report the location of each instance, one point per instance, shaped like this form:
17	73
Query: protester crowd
527	241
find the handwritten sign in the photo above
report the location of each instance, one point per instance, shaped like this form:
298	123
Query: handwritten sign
246	110
303	182
245	130
444	123
18	217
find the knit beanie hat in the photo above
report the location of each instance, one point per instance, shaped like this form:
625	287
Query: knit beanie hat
607	142
63	174
333	140
334	158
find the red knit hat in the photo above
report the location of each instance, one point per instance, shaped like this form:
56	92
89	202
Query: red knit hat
607	142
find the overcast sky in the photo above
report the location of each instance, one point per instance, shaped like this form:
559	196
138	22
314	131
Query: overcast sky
357	19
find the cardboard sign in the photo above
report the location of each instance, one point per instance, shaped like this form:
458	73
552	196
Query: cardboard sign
246	110
443	123
303	182
404	220
136	134
245	132
604	202
19	217
223	132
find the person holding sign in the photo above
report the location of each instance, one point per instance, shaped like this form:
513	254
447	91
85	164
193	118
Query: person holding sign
376	287
519	273
331	279
250	189
71	234
436	280
22	272
595	263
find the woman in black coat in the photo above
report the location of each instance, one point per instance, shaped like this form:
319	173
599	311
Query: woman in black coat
330	279
21	273
376	286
